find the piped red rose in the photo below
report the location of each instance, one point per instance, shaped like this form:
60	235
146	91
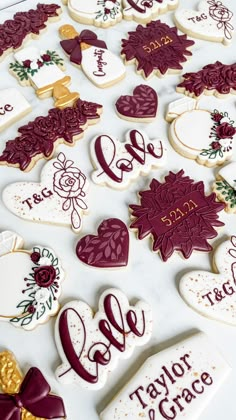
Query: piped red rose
225	131
45	276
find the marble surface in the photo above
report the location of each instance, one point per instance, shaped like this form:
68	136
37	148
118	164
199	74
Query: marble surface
146	276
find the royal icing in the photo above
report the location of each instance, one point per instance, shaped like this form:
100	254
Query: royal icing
40	137
109	249
176	383
210	294
178	215
90	346
119	163
146	10
102	13
225	187
59	198
27	397
217	79
13	106
212	133
142	105
31	282
213	21
156	48
101	66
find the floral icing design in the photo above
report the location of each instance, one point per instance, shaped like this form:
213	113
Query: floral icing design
69	183
156	48
42	288
225	191
109	10
142	104
222	15
222	133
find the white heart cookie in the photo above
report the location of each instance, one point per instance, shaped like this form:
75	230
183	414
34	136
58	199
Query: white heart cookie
95	12
176	383
214	295
59	198
212	22
31	282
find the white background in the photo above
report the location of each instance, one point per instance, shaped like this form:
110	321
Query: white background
146	276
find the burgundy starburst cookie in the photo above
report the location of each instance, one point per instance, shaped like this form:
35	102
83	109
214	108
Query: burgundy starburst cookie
109	249
139	107
178	214
156	49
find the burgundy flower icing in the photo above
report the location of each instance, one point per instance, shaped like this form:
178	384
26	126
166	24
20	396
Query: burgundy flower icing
14	31
156	47
142	104
110	248
38	137
45	275
225	131
178	215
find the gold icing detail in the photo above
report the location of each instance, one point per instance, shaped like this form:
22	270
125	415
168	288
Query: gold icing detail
63	97
69	32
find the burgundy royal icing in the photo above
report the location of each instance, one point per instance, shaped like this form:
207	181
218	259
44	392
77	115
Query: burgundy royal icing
109	249
142	104
14	31
39	137
156	47
217	76
178	215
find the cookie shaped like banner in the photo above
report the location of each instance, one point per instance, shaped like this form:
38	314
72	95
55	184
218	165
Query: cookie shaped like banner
177	383
13	106
225	187
144	11
214	295
141	106
59	198
120	163
91	345
30	282
213	21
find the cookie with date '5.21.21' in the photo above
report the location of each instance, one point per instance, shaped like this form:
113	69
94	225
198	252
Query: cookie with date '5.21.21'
143	11
117	164
156	49
59	198
30	282
225	187
109	249
91	345
214	295
177	383
139	107
178	214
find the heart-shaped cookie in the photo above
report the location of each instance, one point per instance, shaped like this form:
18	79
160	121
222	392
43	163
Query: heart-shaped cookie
109	249
214	295
142	105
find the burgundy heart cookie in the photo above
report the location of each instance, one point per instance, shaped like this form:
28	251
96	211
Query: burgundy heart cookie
109	249
142	105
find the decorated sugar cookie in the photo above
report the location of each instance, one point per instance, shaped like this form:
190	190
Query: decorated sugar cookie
139	107
143	11
214	295
101	66
39	138
43	71
109	249
59	198
13	106
156	49
26	397
91	345
214	79
178	215
117	164
102	13
176	383
205	136
225	187
213	21
31	282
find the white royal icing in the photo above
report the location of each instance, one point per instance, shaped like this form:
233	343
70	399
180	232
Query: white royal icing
176	383
228	173
146	10
97	12
90	346
13	106
59	198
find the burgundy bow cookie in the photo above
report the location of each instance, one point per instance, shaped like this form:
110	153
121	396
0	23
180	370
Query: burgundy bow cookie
34	397
73	46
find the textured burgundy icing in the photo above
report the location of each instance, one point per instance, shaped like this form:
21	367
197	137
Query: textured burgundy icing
14	31
38	137
217	76
185	234
169	56
142	104
110	248
34	397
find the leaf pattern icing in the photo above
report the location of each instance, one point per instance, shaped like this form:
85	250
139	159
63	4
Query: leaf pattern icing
142	104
